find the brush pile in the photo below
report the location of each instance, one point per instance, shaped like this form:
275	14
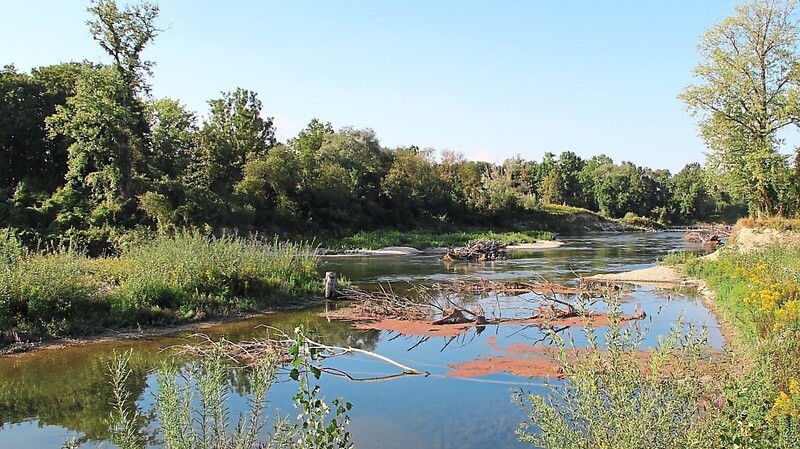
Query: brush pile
482	250
386	304
711	235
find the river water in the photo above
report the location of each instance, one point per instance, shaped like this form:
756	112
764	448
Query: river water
50	396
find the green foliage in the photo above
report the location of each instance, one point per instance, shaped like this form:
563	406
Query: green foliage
87	156
693	200
634	221
191	404
744	414
423	240
747	91
193	411
125	417
234	133
757	292
725	278
63	293
617	397
679	258
315	429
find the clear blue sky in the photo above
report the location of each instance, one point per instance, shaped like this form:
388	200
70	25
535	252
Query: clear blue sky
488	79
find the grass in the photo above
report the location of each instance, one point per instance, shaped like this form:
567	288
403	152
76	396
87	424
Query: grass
61	292
678	258
195	410
561	209
777	223
757	292
423	239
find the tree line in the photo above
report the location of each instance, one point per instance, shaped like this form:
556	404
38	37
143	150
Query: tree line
86	152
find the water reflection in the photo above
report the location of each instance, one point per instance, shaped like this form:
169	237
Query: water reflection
48	396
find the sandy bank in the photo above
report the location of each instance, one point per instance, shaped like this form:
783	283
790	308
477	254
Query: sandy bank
542	244
387	251
409	251
657	276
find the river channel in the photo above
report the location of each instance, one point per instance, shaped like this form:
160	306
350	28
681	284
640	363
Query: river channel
50	396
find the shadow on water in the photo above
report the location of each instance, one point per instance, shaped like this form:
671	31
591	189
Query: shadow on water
48	396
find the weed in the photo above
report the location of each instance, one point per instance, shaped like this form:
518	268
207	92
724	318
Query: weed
192	405
618	398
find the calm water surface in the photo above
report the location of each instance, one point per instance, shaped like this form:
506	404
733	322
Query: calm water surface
50	396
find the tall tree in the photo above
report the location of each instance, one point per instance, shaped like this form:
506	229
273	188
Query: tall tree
124	34
234	133
105	118
691	197
749	87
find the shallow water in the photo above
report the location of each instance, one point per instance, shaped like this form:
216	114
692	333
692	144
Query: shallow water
50	396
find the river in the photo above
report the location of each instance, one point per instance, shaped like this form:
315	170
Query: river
50	396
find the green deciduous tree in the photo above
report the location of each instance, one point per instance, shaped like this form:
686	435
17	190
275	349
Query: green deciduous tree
749	89
124	34
413	186
103	135
234	133
692	199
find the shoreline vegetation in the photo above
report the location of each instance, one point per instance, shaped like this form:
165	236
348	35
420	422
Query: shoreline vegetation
422	240
61	292
150	282
749	398
753	285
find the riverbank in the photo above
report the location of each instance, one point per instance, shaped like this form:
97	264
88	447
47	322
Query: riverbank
167	281
657	276
753	284
392	242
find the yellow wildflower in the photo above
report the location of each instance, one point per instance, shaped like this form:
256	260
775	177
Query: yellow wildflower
783	406
794	388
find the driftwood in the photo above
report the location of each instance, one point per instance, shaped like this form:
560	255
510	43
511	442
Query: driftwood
709	235
277	346
457	315
384	303
638	314
516	288
330	285
702	237
482	250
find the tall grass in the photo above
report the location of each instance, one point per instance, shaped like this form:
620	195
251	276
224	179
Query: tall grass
192	404
193	274
61	292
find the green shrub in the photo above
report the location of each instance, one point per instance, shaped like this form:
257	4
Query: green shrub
615	396
675	258
193	411
632	220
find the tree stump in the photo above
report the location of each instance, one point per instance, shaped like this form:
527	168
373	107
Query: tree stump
330	285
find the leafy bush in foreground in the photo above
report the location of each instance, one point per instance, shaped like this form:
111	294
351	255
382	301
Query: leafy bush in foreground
617	396
193	410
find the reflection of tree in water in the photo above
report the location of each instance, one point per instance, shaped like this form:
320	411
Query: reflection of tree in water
70	388
329	332
73	393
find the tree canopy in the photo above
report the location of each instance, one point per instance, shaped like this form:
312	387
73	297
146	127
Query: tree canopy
748	89
86	153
